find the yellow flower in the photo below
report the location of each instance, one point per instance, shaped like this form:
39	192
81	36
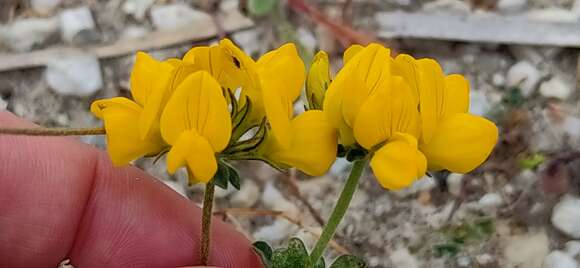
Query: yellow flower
312	147
133	126
196	122
317	81
451	138
377	110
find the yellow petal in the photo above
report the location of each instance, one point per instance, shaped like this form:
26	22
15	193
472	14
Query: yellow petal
398	163
281	77
350	52
431	94
389	110
405	66
169	75
456	95
198	104
461	143
143	74
284	70
192	150
318	80
124	144
372	68
313	146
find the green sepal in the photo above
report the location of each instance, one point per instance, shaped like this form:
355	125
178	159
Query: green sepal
241	115
264	251
234	177
221	176
250	144
348	261
355	154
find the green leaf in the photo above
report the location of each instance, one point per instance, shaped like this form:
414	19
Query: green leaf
348	261
261	7
532	161
264	251
449	249
222	175
295	255
234	177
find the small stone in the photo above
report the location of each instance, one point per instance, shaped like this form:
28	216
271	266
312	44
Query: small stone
464	261
75	74
527	250
555	88
44	7
306	38
174	16
134	31
137	8
339	166
75	23
490	200
401	258
511	6
23	35
374	261
498	80
446	6
426	183
223	193
484	259
559	259
523	75
454	183
478	104
247	196
566	216
573	248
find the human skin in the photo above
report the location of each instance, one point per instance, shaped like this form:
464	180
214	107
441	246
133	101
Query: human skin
63	199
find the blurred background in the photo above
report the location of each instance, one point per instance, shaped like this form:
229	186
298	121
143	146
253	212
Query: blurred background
520	209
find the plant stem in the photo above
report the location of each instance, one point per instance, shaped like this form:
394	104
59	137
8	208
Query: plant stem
339	211
53	131
206	222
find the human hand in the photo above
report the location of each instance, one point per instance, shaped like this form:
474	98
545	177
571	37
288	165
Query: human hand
62	199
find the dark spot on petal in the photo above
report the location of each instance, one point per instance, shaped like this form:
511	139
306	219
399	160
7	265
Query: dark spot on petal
237	62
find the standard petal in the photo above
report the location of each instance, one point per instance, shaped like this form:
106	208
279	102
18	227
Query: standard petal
398	163
318	80
456	95
350	52
198	104
284	71
192	150
143	75
431	96
406	67
461	143
372	69
124	144
313	146
170	74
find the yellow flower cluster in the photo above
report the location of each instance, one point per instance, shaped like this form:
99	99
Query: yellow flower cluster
404	113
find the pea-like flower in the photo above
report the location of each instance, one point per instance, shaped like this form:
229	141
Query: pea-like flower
196	123
451	138
133	125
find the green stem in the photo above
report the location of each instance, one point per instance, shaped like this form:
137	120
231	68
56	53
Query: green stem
206	222
339	211
53	131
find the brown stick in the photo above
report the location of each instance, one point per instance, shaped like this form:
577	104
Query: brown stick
52	131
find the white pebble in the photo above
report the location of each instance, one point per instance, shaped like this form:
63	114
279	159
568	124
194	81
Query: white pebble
573	248
511	5
137	8
22	35
484	259
401	258
3	105
247	196
478	103
454	183
76	74
566	216
555	88
75	20
463	261
490	200
559	259
498	79
523	75
174	16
